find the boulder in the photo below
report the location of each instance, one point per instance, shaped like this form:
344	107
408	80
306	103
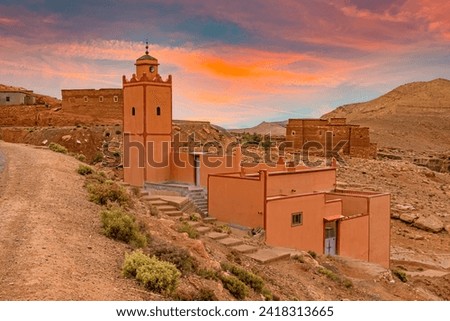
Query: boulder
447	228
408	217
430	223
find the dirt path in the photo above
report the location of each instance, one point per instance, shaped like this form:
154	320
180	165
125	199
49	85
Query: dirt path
51	247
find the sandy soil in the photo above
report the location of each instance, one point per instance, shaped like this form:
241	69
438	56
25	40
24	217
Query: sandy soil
49	249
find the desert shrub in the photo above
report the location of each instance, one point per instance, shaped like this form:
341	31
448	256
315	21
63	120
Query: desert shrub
133	261
347	283
120	226
313	254
158	276
328	273
298	258
401	275
194	217
84	170
178	256
108	191
203	294
252	280
191	231
80	157
267	294
208	274
222	229
236	287
98	157
57	148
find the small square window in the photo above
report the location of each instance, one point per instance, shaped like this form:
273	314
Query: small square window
8	98
116	99
100	99
293	133
297	219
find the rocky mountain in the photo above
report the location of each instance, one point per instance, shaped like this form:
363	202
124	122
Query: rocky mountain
265	128
414	116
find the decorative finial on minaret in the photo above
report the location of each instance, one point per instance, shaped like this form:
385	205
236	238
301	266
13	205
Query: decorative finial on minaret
146	47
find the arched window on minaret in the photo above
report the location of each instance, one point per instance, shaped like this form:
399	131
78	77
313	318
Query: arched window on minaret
133	111
158	111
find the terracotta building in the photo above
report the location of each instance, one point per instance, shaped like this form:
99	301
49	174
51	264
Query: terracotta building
298	207
106	102
149	155
302	131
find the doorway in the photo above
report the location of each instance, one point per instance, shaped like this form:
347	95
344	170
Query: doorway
330	235
197	169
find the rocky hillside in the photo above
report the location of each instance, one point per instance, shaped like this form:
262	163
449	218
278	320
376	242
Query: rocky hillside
264	128
415	116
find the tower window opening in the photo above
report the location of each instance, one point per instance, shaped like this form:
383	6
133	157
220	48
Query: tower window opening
8	98
116	99
158	111
85	99
100	99
133	111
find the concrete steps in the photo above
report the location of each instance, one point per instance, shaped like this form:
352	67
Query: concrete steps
216	235
269	255
230	241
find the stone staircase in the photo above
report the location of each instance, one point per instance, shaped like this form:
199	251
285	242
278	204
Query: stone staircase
199	198
172	207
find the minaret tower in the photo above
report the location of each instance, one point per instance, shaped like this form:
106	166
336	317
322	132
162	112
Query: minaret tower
147	123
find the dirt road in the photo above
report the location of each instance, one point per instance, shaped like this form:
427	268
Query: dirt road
51	247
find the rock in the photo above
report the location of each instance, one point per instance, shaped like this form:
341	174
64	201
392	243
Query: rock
430	223
447	228
406	207
45	142
395	214
408	217
66	137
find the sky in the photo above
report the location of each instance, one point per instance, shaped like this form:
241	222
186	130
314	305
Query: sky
236	62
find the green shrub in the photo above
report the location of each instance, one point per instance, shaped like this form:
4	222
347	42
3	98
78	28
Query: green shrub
267	294
203	294
191	231
236	287
120	226
401	275
84	170
178	256
329	274
133	261
98	157
208	274
80	157
313	254
347	283
108	191
158	276
222	229
57	148
249	278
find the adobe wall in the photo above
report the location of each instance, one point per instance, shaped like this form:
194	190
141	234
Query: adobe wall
380	229
353	237
307	236
302	131
306	181
102	103
237	200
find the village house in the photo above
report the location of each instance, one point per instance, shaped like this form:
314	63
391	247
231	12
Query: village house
16	97
298	207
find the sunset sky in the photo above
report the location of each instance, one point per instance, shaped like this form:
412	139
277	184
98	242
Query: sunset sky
234	63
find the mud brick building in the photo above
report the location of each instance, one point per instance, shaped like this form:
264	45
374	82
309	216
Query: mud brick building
16	97
301	131
107	102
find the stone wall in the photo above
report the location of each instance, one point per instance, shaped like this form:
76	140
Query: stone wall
302	131
101	103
